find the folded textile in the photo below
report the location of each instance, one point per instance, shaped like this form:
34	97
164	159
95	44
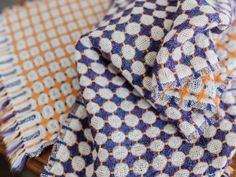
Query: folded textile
132	119
38	80
185	77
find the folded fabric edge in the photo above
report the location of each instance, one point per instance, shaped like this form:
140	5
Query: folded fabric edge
53	156
19	125
181	96
167	93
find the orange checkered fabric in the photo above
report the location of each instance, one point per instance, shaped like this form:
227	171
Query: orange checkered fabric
38	81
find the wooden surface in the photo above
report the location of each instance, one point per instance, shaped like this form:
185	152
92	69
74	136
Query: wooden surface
36	164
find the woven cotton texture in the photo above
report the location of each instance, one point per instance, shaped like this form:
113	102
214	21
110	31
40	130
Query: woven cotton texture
38	80
168	57
157	93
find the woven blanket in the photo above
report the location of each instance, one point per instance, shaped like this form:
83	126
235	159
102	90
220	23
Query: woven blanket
153	93
38	80
157	93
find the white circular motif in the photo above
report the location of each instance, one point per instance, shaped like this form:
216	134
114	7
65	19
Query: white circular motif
88	93
128	52
109	106
202	40
177	158
89	170
170	129
186	128
150	58
182	173
210	132
200	20
162	175
98	68
173	113
163	55
105	93
92	108
214	146
91	54
153	132
231	139
101	81
157	33
162	2
135	135
149	5
157	146
188	48
97	122
147	83
133	28
131	120
180	19
189	4
127	105
103	154
138	149
122	92
100	138
138	68
118	137
159	163
140	167
84	148
185	35
147	19
78	163
103	171
105	45
196	152
175	142
118	36
225	125
120	152
200	168
70	138
232	110
121	170
219	162
116	60
57	169
149	117
166	75
114	121
70	175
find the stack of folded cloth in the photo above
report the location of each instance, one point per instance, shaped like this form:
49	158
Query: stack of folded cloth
153	95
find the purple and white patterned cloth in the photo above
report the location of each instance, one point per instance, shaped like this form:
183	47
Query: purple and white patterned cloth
157	93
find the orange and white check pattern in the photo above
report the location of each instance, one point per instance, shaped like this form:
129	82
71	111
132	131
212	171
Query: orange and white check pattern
37	73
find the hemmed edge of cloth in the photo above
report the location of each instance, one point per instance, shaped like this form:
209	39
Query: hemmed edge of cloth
19	125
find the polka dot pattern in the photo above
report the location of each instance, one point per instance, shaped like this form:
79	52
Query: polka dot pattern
143	142
163	50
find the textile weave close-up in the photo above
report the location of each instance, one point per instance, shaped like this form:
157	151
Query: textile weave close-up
38	76
149	89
